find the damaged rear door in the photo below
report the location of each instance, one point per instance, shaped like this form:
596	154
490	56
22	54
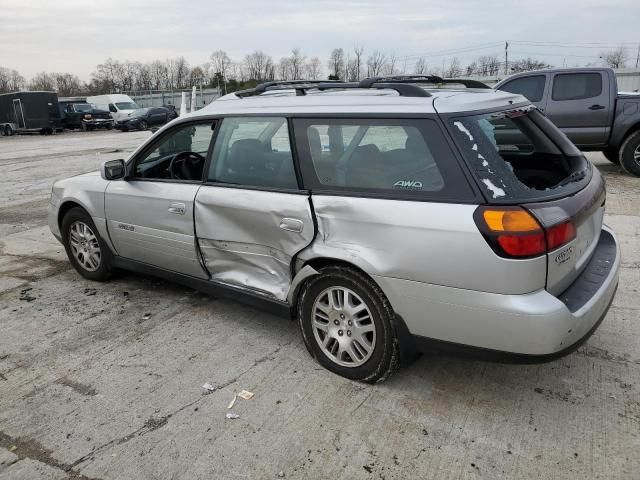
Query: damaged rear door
251	217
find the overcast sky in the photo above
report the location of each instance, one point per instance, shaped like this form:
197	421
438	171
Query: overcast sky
75	36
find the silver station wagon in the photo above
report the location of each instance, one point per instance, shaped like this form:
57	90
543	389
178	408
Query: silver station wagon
386	216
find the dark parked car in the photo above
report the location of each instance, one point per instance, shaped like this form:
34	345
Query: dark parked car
144	118
84	115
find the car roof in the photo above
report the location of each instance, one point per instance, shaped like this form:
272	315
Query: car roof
363	101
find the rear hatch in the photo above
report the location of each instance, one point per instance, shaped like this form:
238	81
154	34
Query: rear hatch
523	163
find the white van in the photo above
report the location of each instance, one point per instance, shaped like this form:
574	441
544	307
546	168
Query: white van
119	105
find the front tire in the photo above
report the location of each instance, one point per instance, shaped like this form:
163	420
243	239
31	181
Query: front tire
86	250
348	325
630	154
143	125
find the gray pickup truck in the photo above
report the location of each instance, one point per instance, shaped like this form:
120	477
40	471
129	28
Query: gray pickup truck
585	104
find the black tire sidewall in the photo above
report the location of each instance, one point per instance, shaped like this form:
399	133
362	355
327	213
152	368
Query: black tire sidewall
628	163
381	361
105	269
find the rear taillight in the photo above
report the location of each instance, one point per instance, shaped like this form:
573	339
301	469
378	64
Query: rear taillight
560	234
513	232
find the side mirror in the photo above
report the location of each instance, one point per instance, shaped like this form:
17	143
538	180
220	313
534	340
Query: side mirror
113	169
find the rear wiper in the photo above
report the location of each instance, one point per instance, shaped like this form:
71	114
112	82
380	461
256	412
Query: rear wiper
574	177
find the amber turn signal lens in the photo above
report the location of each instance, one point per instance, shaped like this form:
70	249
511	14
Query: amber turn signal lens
510	221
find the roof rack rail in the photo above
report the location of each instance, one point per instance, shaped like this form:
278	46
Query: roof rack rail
404	89
434	79
298	85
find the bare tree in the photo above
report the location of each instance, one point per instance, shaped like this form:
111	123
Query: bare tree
43	81
358	52
527	64
259	66
420	68
221	62
67	84
283	69
351	72
314	68
10	80
375	63
336	64
471	69
454	70
296	62
158	74
615	58
390	65
197	77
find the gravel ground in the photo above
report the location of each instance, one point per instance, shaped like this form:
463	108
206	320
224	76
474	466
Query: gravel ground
104	381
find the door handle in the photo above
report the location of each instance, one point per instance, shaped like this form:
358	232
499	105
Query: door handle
292	225
177	208
596	107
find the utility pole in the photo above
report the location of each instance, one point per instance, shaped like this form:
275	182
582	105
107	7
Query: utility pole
506	58
638	56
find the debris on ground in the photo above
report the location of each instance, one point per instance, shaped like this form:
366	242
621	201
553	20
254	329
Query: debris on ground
207	386
233	400
232	416
89	292
25	296
281	474
146	316
246	395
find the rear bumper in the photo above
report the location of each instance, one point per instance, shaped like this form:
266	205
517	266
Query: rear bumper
536	325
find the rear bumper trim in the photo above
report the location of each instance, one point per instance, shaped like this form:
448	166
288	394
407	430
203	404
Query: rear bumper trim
594	274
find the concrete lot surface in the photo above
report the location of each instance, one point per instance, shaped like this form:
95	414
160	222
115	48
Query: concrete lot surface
104	381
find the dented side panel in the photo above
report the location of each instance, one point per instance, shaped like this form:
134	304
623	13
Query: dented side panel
248	238
436	243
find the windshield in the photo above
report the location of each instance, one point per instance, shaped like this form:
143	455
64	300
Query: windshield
515	155
82	107
139	113
127	106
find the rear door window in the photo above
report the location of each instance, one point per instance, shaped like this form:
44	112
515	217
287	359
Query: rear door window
514	155
531	87
576	86
254	151
407	157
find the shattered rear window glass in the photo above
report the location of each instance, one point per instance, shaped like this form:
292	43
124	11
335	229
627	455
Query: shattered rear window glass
513	158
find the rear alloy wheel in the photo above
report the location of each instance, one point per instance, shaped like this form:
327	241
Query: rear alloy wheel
86	250
630	154
347	324
612	155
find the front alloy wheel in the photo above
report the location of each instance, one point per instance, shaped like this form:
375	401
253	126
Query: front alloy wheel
88	253
85	246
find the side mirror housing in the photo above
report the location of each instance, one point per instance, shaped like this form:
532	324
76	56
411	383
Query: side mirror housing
113	169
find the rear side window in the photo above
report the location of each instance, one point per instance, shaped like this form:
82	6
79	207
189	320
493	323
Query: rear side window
513	156
408	157
531	87
576	86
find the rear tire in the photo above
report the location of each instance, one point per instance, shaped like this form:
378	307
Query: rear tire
348	325
630	154
143	125
612	155
85	127
86	250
